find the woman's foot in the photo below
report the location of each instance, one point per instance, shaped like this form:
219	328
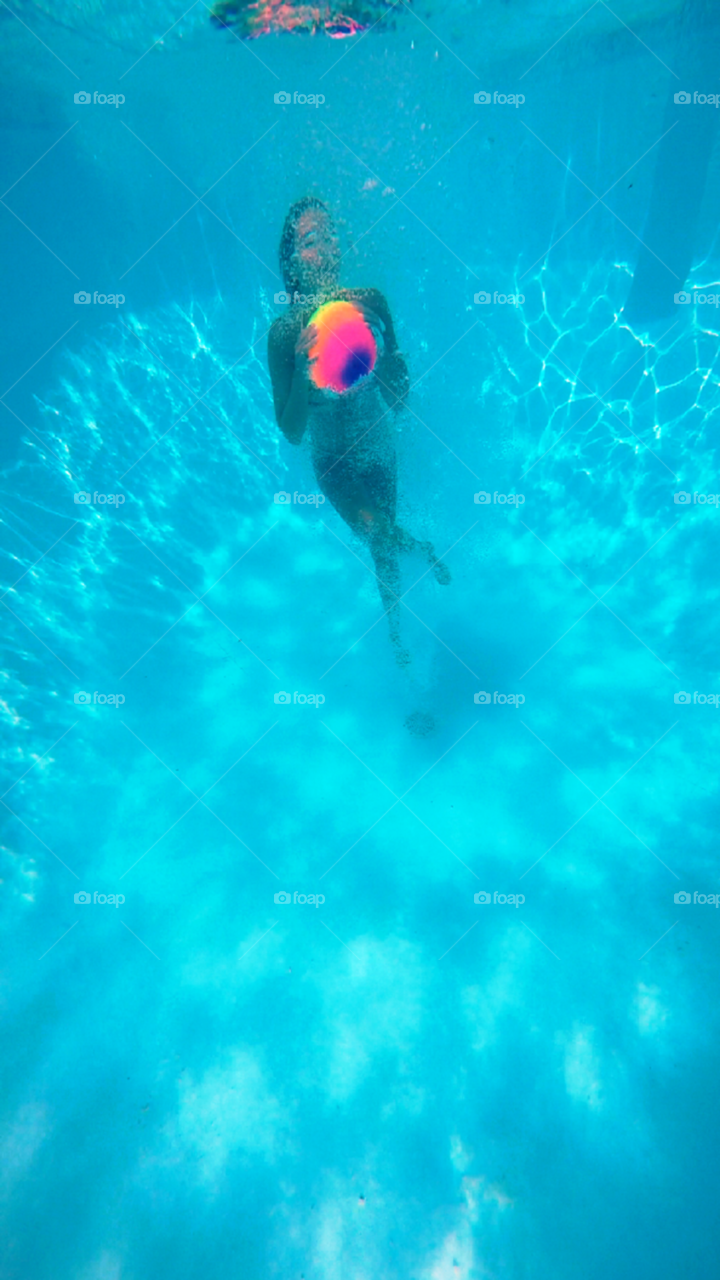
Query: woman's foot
440	570
442	573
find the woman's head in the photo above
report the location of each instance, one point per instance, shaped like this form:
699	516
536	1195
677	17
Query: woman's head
309	249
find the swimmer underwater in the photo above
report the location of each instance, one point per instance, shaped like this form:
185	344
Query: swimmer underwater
351	433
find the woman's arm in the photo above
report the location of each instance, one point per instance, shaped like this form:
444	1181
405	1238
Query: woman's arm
391	370
289	374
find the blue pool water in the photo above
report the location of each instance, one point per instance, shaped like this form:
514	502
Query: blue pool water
486	1044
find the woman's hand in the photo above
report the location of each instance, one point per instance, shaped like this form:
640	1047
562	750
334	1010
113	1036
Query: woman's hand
374	323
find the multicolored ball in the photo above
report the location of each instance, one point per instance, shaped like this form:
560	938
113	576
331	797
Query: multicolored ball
345	350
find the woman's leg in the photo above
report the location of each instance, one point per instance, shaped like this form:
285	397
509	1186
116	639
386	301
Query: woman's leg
366	502
381	485
387	574
406	542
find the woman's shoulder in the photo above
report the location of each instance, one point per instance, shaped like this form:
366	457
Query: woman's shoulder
375	301
372	296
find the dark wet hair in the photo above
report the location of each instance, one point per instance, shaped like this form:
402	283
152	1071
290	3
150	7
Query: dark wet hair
287	239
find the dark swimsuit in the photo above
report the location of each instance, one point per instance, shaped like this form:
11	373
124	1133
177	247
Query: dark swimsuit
352	450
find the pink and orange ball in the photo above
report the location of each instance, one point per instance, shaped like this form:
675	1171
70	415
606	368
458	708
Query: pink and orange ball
344	350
